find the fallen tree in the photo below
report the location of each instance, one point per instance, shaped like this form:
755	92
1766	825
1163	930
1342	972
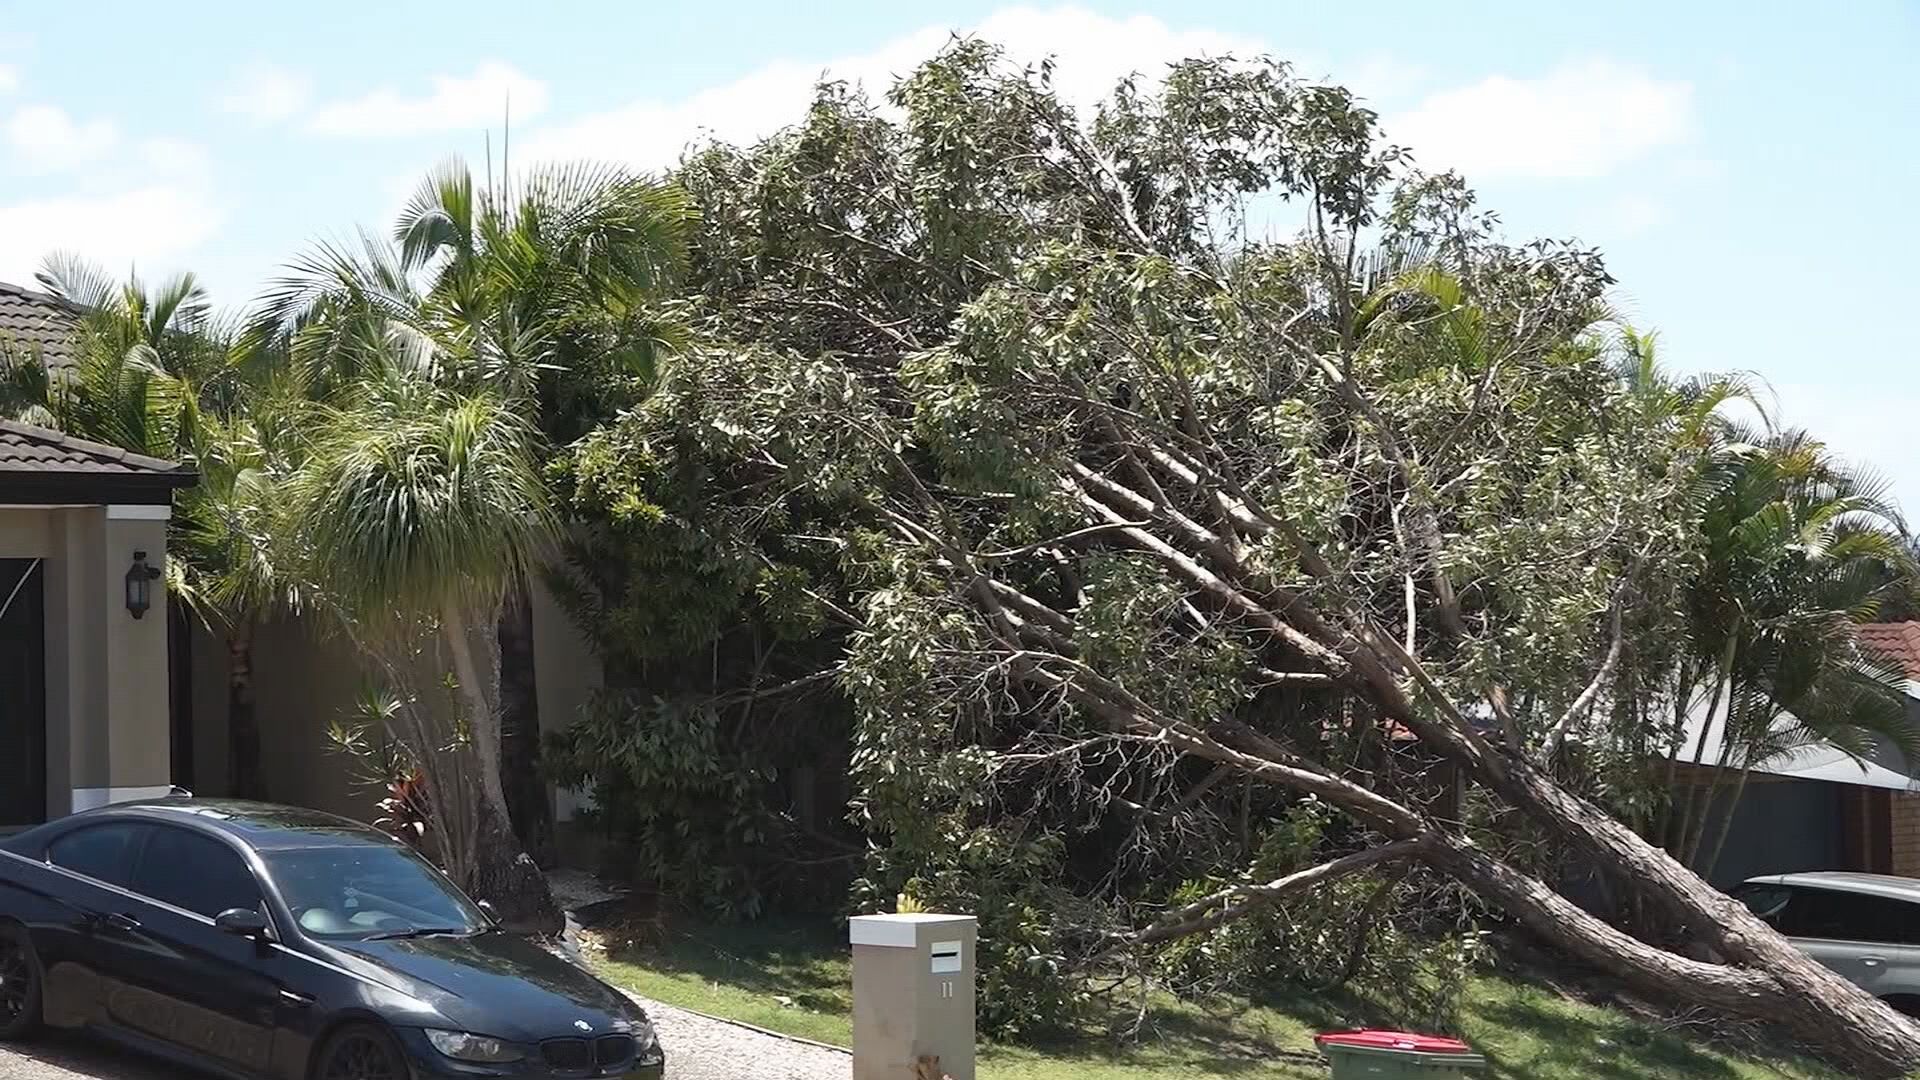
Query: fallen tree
1138	497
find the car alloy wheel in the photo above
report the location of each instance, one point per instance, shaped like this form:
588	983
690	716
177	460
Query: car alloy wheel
16	981
19	986
361	1055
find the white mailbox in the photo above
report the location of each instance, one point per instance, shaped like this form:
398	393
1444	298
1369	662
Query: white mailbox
912	994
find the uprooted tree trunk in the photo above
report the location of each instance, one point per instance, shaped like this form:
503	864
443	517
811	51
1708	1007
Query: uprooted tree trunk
1757	974
1761	975
1412	475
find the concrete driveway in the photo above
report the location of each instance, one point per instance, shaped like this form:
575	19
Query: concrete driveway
62	1057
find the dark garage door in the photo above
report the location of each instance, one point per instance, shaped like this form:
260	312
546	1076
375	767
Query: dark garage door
23	710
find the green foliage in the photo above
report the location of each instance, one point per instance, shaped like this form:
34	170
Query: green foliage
717	755
689	810
1400	937
919	331
1027	985
418	498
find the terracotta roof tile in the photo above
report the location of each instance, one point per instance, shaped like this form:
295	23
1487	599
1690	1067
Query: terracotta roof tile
33	320
1898	642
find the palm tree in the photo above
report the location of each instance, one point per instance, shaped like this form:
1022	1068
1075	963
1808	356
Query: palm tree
419	504
1800	551
539	303
546	294
142	361
233	563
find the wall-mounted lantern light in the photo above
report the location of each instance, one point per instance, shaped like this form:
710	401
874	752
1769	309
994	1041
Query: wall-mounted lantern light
140	579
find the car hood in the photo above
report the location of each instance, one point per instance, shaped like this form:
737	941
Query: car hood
497	983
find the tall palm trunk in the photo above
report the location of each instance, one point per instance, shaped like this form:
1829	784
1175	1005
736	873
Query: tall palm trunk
502	872
528	803
1721	677
243	727
1736	743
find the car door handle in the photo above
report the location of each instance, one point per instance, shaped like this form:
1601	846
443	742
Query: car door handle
95	921
298	1001
1872	961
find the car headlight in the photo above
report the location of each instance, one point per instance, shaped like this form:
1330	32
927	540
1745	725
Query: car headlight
466	1046
646	1045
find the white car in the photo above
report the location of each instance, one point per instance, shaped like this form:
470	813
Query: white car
1864	926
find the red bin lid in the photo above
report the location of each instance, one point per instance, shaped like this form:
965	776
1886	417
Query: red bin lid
1394	1040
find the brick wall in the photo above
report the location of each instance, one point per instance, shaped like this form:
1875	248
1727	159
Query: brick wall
1905	828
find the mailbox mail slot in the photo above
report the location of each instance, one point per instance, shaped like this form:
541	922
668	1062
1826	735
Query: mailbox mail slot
946	957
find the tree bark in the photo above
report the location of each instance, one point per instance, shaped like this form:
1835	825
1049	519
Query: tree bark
243	727
528	803
483	723
507	878
502	872
1812	1001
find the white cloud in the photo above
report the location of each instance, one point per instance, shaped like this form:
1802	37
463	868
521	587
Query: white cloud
149	227
266	92
1583	119
45	139
453	103
165	156
9	78
1092	52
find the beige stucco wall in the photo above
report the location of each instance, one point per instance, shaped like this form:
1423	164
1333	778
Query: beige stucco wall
303	682
23	533
306	680
107	703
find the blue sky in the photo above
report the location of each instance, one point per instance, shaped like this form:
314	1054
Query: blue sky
1749	168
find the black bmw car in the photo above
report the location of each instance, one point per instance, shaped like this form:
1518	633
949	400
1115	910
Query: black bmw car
269	943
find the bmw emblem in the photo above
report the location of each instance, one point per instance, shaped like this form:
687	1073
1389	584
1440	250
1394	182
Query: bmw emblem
583	1025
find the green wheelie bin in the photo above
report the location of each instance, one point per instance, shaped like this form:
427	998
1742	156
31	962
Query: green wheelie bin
1397	1055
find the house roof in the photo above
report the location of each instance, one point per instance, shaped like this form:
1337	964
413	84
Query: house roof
39	467
1899	642
37	321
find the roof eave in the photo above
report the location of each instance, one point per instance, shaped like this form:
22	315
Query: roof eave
93	488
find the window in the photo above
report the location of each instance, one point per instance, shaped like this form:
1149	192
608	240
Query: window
195	872
1766	901
1845	916
101	852
363	891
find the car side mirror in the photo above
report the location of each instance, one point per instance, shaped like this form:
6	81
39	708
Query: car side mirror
242	922
486	908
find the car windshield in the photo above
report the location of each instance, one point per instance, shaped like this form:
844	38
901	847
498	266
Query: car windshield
367	891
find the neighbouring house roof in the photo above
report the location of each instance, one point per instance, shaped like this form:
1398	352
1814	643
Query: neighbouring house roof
1884	767
34	321
1899	642
42	467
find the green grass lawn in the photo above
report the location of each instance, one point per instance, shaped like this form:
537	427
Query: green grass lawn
794	979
